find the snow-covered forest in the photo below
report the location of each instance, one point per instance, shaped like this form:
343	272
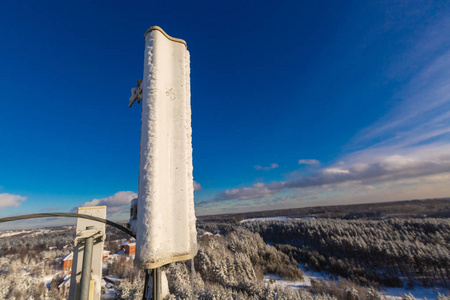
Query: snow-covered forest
253	260
381	252
30	262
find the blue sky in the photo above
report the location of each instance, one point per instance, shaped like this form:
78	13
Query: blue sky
293	104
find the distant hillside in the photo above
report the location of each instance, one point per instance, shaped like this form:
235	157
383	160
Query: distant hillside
435	208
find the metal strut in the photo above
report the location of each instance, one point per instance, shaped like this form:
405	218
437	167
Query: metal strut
152	285
87	263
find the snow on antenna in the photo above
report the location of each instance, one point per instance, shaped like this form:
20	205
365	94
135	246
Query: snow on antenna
165	216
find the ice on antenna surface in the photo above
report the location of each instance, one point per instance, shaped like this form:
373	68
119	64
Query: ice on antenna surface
165	210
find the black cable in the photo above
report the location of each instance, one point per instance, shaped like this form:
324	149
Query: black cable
69	215
147	275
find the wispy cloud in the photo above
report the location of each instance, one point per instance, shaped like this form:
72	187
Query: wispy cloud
308	162
423	114
119	202
10	200
268	168
258	190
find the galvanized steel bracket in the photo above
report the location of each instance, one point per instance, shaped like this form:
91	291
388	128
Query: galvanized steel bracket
82	235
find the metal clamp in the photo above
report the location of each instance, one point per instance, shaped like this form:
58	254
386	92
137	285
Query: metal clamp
136	93
96	234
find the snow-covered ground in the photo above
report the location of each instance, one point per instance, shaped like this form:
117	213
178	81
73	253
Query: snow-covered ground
297	284
13	233
111	279
293	284
30	232
109	294
109	291
389	293
281	218
417	292
47	280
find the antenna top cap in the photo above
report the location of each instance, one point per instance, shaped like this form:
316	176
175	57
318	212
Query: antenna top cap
165	34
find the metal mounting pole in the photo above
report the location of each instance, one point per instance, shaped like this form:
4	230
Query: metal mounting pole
146	275
152	290
87	266
157	283
192	278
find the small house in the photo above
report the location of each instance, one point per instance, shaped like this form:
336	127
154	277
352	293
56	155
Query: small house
66	262
130	249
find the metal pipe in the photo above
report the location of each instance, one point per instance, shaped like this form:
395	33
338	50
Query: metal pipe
145	293
153	287
192	278
157	284
87	267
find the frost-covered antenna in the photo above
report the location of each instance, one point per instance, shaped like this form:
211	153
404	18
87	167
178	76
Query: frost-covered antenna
163	215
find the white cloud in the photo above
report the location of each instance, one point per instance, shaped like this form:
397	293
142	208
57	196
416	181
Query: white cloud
197	186
336	171
119	202
9	200
268	168
308	162
257	190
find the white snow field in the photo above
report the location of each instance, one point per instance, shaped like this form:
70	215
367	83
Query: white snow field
9	234
270	219
417	292
165	220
